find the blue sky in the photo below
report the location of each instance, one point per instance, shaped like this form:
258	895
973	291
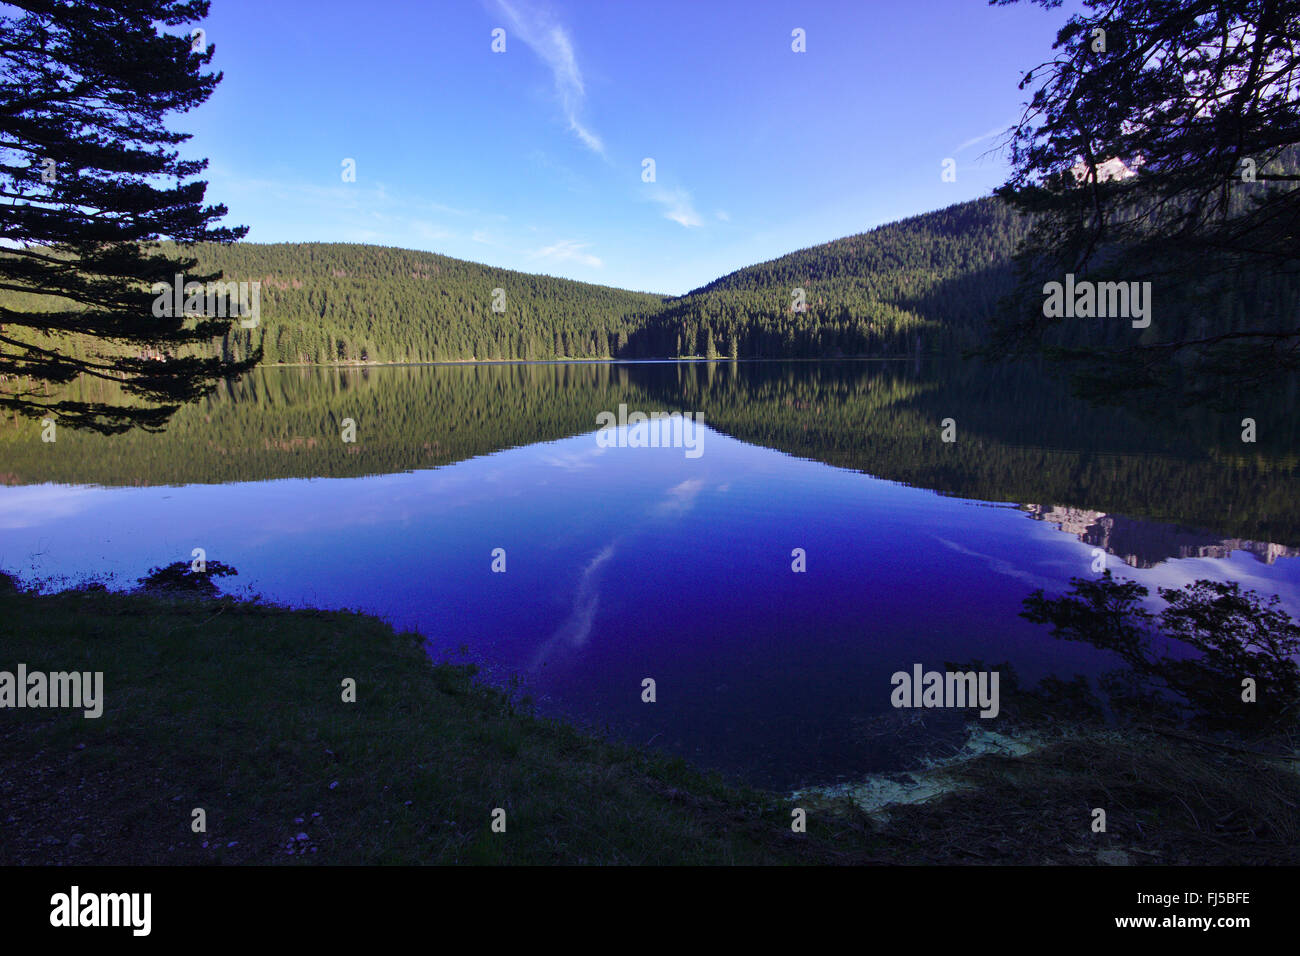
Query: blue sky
532	159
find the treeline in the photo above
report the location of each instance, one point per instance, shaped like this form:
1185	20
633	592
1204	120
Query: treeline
930	283
937	276
341	303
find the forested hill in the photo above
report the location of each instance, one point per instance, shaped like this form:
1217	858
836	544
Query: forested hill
340	302
937	276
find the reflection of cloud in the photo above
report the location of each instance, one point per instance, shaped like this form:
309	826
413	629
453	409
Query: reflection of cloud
1001	567
1179	572
573	461
1173	573
552	44
680	498
577	627
26	506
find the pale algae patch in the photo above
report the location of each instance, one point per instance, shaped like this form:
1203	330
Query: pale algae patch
875	793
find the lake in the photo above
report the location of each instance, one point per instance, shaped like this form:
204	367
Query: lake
615	564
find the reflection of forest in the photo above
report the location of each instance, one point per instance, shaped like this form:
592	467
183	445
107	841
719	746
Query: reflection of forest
1020	437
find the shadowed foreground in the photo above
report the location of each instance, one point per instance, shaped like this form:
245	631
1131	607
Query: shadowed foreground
236	707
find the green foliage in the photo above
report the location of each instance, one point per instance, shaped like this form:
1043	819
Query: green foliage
1198	99
326	303
92	179
940	274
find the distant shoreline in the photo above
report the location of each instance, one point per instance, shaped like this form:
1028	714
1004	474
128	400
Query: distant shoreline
586	361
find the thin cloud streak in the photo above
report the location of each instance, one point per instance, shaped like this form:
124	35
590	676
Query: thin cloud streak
553	46
996	131
678	206
568	250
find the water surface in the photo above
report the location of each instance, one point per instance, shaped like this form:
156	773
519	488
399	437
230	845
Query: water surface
626	563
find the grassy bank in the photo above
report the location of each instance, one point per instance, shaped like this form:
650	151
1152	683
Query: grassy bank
236	708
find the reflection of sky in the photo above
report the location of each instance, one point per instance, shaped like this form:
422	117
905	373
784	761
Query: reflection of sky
626	563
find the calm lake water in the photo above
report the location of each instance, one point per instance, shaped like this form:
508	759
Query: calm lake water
626	563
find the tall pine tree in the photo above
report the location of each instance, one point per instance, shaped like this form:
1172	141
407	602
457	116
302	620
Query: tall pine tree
91	180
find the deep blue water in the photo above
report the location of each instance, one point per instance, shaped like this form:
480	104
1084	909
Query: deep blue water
631	563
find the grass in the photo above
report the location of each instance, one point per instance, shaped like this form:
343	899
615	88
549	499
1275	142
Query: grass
236	707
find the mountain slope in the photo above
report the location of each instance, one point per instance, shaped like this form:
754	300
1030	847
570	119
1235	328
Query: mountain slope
329	302
937	275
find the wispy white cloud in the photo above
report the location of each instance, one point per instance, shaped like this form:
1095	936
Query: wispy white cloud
567	250
678	206
575	460
346	212
996	131
554	47
430	232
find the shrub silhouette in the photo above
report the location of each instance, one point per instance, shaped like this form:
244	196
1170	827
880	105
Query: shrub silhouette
181	577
